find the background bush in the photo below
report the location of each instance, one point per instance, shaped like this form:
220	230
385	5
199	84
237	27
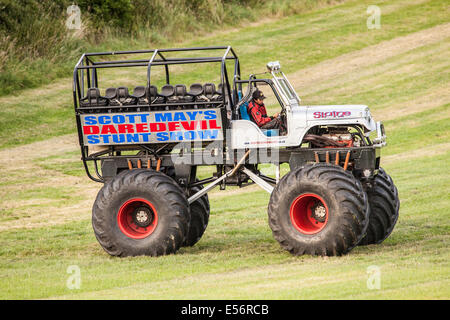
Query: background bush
36	47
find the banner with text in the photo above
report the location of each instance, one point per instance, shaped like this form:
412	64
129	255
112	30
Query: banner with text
152	127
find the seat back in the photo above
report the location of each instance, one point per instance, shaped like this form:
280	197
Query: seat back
93	98
220	92
195	89
152	92
124	97
243	107
244	111
209	90
111	93
140	95
154	97
139	92
167	90
122	94
93	94
220	89
180	92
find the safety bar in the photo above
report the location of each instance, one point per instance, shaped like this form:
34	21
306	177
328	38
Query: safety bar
380	140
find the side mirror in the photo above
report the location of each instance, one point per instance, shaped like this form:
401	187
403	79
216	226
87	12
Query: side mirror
274	66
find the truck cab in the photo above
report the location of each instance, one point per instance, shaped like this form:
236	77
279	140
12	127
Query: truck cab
298	119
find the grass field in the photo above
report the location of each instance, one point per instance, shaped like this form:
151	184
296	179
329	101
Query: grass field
402	71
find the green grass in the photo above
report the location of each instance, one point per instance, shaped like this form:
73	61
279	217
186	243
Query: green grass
45	200
68	163
428	128
238	258
395	80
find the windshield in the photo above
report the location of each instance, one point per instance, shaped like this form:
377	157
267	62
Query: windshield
286	89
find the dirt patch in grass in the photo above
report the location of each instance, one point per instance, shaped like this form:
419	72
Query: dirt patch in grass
306	80
432	99
23	154
53	89
426	151
41	211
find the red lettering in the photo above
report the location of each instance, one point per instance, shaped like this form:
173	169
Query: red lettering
109	128
156	127
174	126
189	125
141	127
126	128
213	124
91	130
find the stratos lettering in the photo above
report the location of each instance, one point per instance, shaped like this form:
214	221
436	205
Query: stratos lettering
331	114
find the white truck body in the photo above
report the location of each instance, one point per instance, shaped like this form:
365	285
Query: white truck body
246	134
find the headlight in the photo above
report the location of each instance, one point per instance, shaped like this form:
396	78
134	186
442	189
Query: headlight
380	140
368	115
274	66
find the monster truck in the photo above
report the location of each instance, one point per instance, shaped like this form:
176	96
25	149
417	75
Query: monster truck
145	147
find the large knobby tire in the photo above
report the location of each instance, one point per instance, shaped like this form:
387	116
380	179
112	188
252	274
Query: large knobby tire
199	218
318	209
384	208
199	210
140	212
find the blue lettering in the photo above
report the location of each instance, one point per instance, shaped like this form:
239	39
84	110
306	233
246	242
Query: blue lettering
104	119
144	117
189	135
163	117
105	137
176	136
118	118
179	116
208	134
210	114
192	114
90	120
117	136
132	137
93	139
131	117
162	136
145	136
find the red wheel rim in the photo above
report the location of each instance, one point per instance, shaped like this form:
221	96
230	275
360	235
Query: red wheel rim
137	218
309	213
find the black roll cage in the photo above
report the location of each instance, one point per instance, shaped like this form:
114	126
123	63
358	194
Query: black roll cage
252	81
158	57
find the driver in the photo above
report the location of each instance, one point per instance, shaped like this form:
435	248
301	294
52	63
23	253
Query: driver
258	112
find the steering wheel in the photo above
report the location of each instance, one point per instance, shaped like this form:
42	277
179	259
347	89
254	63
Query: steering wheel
283	116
